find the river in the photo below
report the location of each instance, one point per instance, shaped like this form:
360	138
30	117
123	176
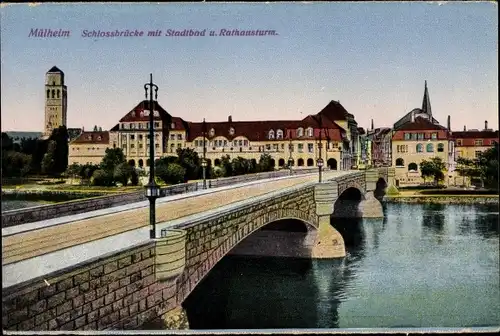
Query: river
422	266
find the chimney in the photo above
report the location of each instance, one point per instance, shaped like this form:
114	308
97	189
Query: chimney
372	124
412	117
449	123
465	128
230	119
485	125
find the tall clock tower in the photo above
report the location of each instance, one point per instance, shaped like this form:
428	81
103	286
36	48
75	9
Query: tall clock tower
56	100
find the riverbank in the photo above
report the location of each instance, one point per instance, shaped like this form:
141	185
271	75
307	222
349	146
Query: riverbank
443	199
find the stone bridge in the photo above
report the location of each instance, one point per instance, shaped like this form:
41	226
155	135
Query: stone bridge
149	279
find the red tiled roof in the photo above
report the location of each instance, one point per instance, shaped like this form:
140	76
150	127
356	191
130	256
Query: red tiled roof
259	130
136	115
92	138
420	124
475	135
334	111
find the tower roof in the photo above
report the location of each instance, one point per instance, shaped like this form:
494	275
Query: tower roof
426	103
55	69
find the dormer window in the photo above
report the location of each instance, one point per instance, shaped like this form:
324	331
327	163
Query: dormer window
172	125
310	132
271	134
141	113
211	132
231	131
300	132
279	134
133	114
89	137
99	138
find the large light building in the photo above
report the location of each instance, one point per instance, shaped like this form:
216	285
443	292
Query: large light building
332	130
416	137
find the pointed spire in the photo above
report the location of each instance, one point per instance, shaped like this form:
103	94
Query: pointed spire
426	103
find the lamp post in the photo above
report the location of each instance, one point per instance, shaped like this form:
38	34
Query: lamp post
152	189
290	149
204	160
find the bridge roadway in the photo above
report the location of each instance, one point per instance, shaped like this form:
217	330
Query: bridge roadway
38	244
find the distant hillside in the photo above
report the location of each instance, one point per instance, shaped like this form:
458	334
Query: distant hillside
16	136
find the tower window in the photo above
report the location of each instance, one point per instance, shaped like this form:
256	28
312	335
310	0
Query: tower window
53	93
48	93
58	93
53	82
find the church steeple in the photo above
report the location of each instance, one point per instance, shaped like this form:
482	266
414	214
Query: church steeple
426	103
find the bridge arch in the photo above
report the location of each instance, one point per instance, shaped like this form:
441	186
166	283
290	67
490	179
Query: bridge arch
194	274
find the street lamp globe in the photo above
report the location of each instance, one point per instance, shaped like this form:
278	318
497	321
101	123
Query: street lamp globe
320	163
204	162
152	190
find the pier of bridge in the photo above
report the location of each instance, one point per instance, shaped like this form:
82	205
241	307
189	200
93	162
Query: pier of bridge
101	271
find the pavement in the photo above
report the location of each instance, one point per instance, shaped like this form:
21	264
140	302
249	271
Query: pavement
39	241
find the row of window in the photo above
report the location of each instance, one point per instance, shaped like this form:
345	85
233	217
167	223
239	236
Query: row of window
272	134
420	136
144	125
54	92
477	142
429	148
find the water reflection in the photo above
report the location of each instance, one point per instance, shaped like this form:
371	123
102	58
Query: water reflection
433	220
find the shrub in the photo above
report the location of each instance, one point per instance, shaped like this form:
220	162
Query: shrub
392	190
101	178
134	178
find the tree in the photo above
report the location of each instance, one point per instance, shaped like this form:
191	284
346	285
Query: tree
73	170
101	177
433	168
488	167
190	161
7	143
112	158
60	136
239	166
468	168
49	159
171	174
134	178
217	172
15	164
265	163
225	164
38	154
122	173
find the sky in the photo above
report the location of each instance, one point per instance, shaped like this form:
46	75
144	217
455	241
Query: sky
372	57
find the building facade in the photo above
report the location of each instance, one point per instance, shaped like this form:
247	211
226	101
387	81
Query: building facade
416	137
302	141
56	101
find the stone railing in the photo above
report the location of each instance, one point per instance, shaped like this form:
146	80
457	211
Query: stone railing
49	211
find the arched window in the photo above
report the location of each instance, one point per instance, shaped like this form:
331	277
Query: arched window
212	132
231	131
412	167
310	132
300	162
279	134
300	132
271	134
48	93
58	93
281	162
420	148
429	148
141	163
440	147
53	93
310	162
400	162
